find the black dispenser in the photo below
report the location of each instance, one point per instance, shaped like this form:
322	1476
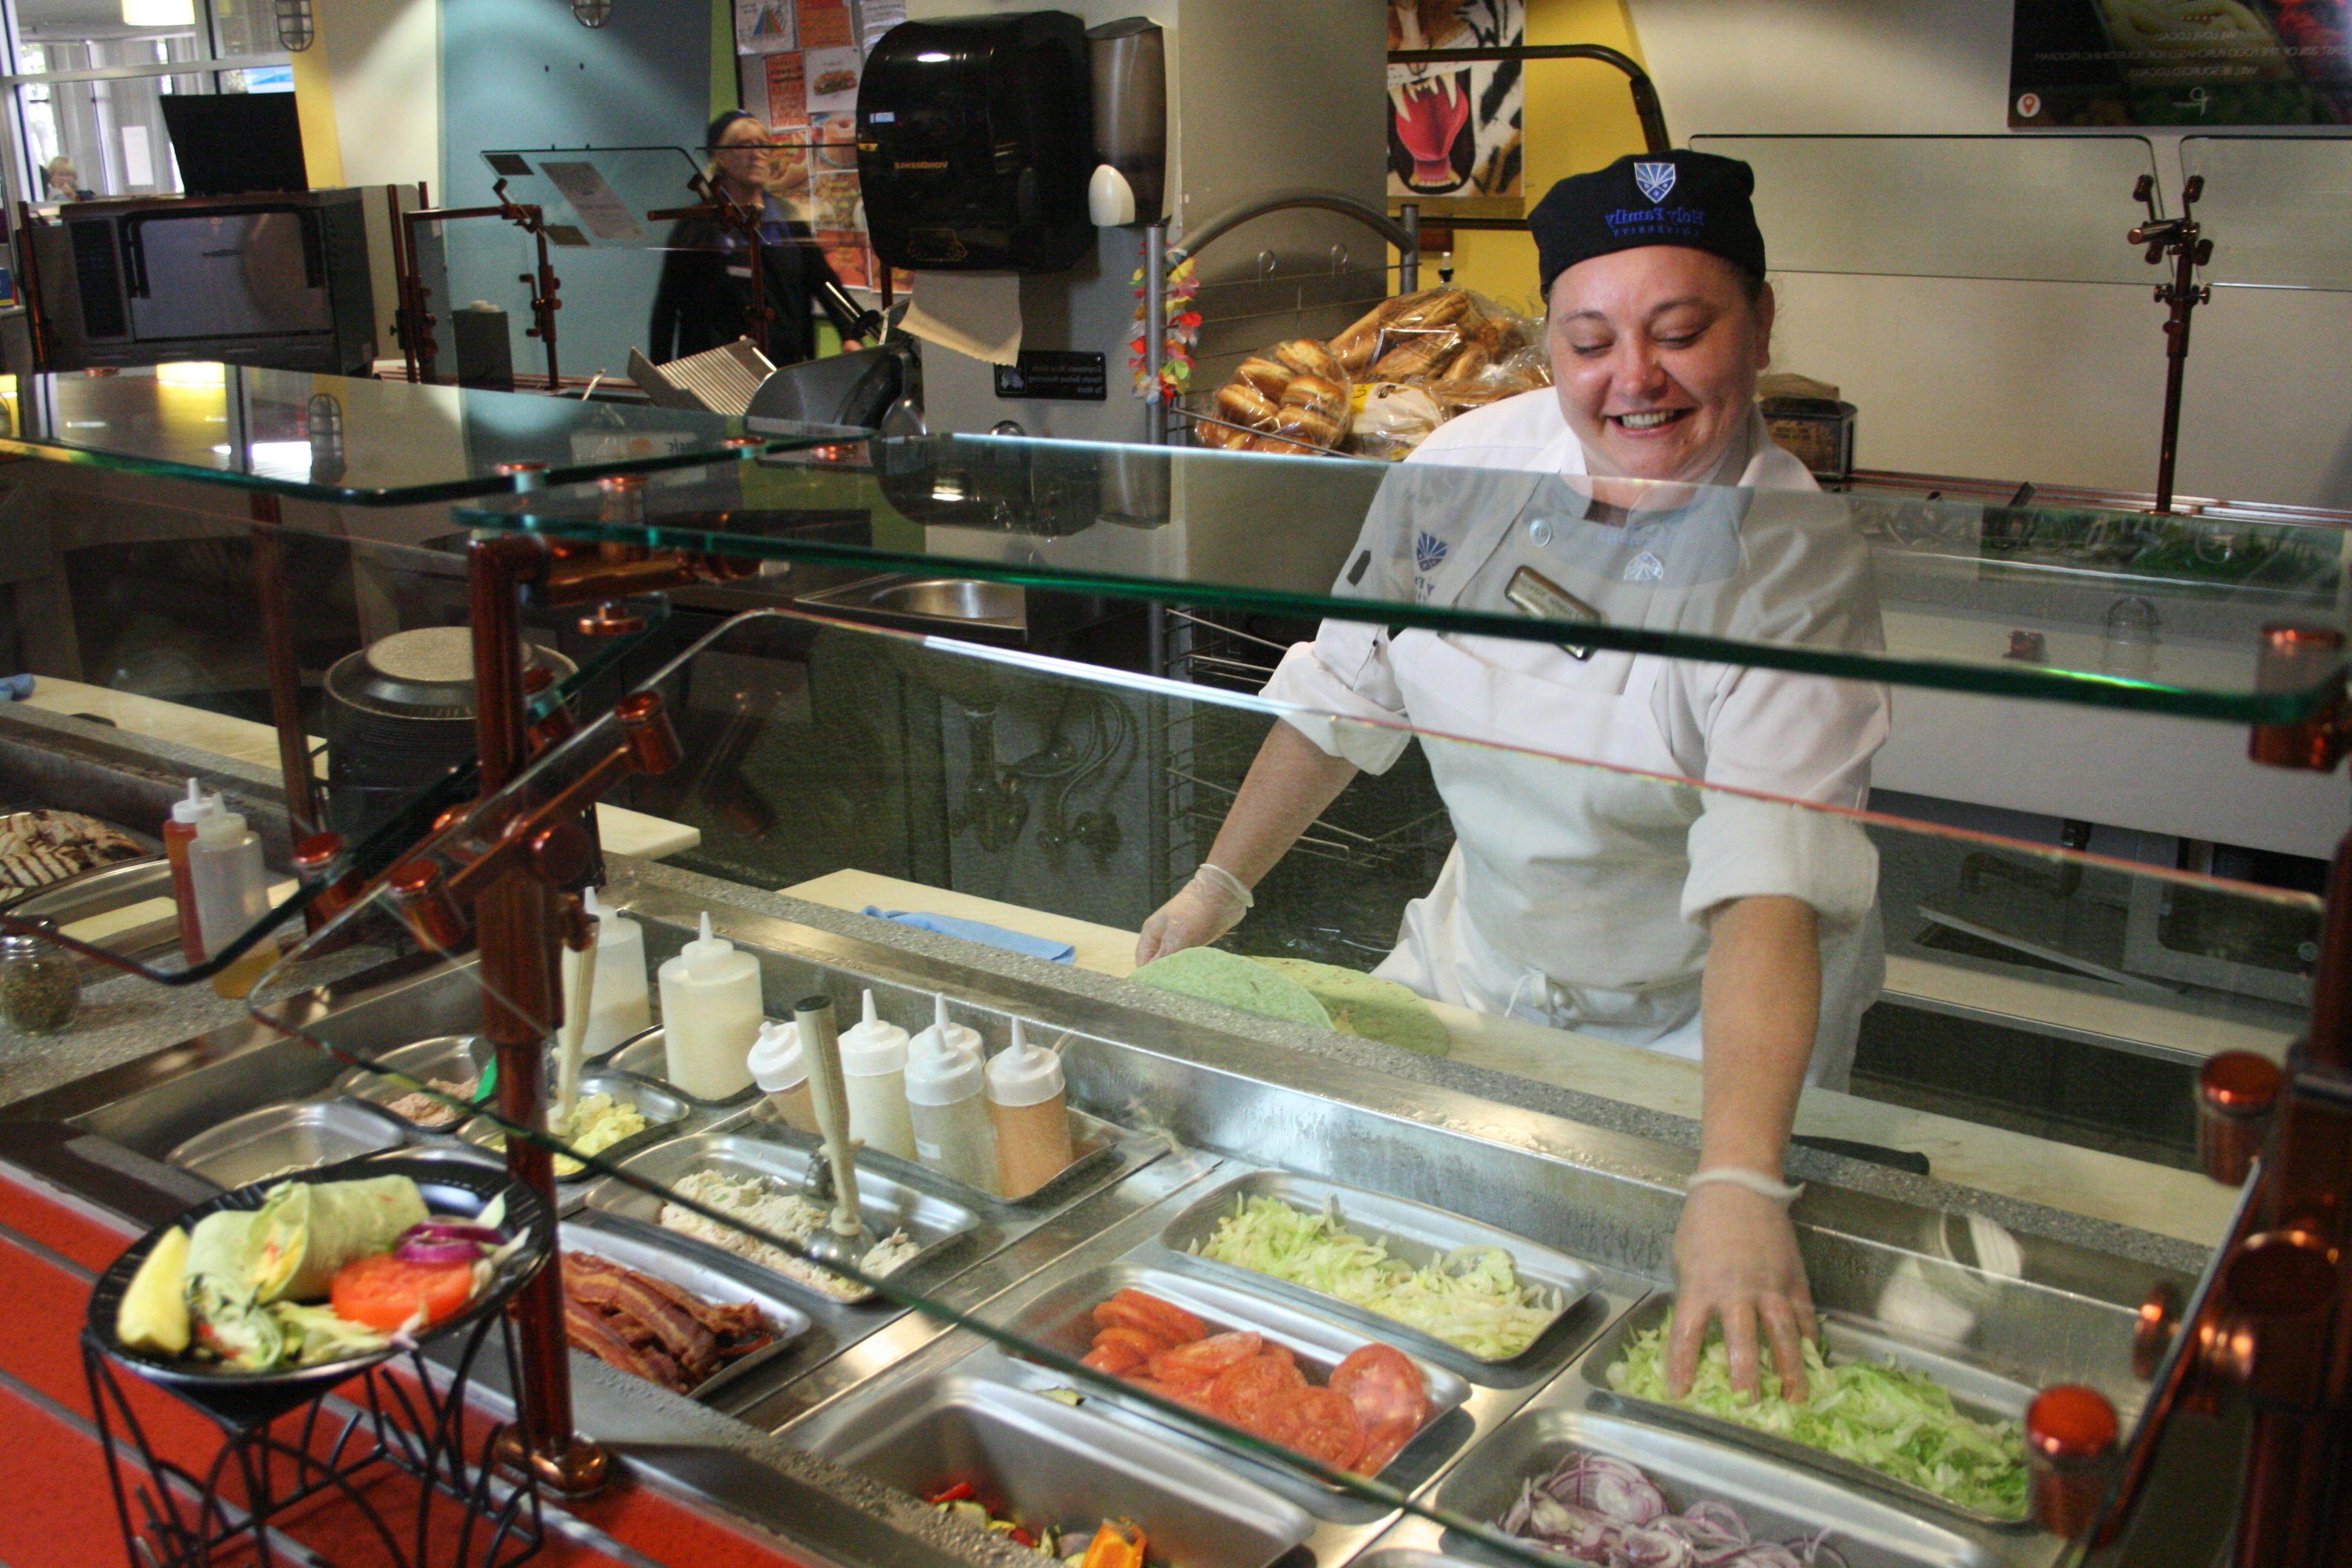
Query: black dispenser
974	143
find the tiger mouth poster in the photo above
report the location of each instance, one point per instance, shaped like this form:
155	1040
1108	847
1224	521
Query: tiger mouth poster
1455	131
2184	63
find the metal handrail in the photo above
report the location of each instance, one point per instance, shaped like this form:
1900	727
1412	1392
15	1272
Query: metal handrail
1232	217
1646	108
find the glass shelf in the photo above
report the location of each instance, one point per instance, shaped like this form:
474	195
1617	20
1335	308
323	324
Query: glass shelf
2077	605
2274	207
962	774
599	197
360	442
2034	208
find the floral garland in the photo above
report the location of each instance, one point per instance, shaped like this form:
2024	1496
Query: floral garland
1183	330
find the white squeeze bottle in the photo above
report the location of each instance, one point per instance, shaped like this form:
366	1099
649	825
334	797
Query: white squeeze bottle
873	1067
710	1014
231	891
956	1037
946	1102
1030	1109
617	1004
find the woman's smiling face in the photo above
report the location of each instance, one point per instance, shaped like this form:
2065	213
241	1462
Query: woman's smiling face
1654	352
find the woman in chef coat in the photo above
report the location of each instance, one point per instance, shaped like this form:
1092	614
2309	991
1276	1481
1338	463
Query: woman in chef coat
1713	924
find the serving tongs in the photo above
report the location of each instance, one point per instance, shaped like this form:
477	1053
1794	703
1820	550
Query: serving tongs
844	1242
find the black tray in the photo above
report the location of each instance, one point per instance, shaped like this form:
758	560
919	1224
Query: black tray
455	1187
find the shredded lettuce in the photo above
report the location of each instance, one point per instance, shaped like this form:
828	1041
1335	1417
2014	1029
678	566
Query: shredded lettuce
1471	1297
1899	1422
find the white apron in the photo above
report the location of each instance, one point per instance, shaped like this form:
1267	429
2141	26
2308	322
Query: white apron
1562	870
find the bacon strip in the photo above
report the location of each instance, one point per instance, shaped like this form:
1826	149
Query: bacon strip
684	1340
586	1328
668	1335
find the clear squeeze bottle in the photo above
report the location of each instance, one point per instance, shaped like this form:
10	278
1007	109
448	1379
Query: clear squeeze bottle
618	1007
710	1015
947	1103
231	889
874	1066
179	831
1029	1106
781	1072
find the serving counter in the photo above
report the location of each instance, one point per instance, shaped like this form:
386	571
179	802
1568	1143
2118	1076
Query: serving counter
838	768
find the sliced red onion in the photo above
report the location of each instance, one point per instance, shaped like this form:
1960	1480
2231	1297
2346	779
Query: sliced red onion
1599	1508
455	1230
424	1249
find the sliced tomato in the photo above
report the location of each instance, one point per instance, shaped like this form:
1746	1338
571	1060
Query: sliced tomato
1179	1325
1112	1358
1382	1443
1319	1423
1384	1385
1195	1394
1145	1346
1206	1358
1247	1391
1117	1314
383	1293
1279	1353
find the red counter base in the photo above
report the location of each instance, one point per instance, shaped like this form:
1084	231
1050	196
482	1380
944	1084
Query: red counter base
61	1512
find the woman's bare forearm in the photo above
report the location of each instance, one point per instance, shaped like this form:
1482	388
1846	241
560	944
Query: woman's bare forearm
1761	1003
1290	783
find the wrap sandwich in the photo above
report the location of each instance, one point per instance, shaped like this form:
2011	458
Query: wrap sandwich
223	1316
305	1232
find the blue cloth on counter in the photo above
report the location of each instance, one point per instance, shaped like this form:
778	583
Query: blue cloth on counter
981	932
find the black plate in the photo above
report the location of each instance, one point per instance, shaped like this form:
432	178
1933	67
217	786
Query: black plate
458	1188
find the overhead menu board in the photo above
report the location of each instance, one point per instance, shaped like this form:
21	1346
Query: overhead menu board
2077	63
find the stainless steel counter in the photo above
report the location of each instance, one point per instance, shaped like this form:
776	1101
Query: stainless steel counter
1208	1097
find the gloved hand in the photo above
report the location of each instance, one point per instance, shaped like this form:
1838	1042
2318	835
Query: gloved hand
1735	1260
1204	909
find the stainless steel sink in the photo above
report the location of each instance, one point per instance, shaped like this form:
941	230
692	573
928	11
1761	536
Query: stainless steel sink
955	599
965	601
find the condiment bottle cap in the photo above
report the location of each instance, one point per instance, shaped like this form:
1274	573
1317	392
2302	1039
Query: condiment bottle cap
776	1062
219	827
1026	1074
196	806
944	1035
871	1047
705	950
940	1074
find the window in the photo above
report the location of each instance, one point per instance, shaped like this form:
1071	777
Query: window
88	80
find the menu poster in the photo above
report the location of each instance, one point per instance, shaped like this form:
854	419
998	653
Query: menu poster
825	25
833	80
2181	62
833	143
845	253
875	17
787	89
764	27
1453	131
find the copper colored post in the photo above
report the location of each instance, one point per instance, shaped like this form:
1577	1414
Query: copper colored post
2070	1443
315	859
284	669
2296	661
2236	1093
521	1003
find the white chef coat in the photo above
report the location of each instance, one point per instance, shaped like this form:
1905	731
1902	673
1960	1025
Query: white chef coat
1578	896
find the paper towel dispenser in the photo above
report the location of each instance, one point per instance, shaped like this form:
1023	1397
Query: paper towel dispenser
975	140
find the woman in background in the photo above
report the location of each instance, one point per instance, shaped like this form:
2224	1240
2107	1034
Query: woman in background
704	299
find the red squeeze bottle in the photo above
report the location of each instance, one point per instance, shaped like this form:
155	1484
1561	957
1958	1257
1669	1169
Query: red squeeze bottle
179	831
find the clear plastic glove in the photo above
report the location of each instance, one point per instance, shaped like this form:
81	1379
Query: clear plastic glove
1204	909
1735	1260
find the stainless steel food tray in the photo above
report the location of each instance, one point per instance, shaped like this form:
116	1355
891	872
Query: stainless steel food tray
294	1136
1777	1504
722	1282
1060	1320
1039	1462
662	1110
446	1056
1416	1234
1976	1392
1095	1144
936	1224
90	894
647	1055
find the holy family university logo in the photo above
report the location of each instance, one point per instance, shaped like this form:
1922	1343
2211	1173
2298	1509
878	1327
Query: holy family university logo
1656	180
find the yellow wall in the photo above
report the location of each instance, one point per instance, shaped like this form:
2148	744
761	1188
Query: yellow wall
1578	117
314	106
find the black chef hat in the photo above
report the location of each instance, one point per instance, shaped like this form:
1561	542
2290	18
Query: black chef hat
1695	199
718	126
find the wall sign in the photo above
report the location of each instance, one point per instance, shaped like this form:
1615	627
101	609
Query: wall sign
1453	131
1055	374
2181	62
